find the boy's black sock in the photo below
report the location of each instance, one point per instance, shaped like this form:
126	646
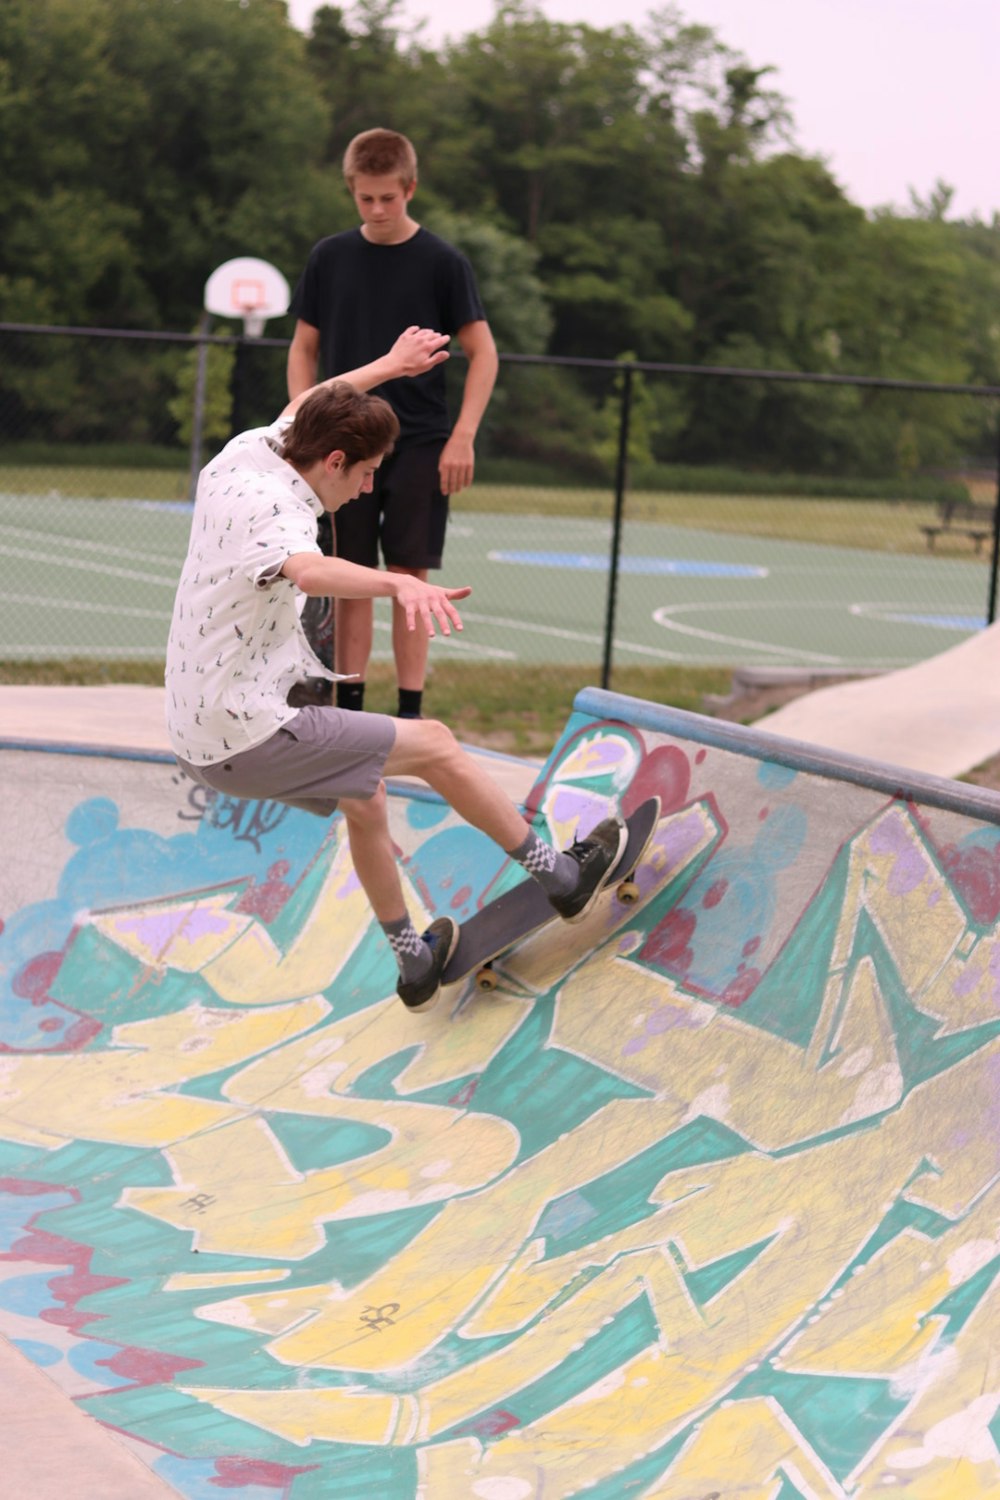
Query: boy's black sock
351	695
410	700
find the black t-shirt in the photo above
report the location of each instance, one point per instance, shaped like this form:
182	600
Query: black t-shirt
362	296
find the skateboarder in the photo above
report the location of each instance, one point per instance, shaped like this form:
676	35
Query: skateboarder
236	648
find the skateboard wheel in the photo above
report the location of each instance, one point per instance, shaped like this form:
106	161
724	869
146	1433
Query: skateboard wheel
628	892
486	980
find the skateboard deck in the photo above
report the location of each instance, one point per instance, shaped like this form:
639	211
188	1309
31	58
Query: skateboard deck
525	908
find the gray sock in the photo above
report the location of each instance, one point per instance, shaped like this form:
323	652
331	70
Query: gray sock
556	873
412	954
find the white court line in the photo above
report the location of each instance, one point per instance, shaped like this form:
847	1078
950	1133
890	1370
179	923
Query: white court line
662	618
456	644
911	614
587	638
105	549
55	561
94	609
30	651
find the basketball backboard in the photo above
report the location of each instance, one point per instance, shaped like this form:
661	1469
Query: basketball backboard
247	288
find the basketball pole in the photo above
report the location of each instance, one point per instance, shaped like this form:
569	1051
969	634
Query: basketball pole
198	414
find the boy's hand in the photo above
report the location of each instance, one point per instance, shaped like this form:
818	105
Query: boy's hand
429	602
418	350
457	464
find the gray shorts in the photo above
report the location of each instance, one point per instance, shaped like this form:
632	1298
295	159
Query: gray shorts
318	757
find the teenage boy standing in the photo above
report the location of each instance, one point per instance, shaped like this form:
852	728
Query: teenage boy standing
358	291
236	648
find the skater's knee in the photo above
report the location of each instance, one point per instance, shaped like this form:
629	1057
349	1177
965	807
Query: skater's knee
440	747
365	813
423	748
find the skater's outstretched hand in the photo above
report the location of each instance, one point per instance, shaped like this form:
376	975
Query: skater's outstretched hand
428	602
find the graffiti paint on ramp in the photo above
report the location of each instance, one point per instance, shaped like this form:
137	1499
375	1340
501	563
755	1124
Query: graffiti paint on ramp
702	1199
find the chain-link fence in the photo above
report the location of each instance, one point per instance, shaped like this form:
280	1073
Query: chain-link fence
625	514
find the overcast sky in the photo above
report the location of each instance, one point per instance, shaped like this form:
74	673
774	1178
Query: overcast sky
893	94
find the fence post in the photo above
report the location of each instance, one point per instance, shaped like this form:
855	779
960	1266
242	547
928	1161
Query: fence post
238	387
991	603
616	530
198	418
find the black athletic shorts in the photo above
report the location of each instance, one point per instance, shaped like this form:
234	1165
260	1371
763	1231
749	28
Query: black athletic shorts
406	513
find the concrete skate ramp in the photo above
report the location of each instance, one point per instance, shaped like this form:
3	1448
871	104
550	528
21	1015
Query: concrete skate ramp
941	715
703	1200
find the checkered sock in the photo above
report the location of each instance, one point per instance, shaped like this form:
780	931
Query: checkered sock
556	873
412	954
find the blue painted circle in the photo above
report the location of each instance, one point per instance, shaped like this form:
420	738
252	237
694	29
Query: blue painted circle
593	562
97	818
943	622
40	1354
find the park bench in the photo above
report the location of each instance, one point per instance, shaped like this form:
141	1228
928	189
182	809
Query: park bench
970	518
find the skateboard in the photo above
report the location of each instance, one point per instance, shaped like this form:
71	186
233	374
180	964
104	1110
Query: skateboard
525	908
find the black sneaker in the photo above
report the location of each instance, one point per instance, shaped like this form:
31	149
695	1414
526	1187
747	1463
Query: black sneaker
441	938
597	855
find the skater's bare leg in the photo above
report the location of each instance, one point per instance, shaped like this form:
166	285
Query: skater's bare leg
427	748
372	854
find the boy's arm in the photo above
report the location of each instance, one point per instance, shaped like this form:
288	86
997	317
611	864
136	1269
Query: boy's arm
335	577
303	357
458	460
414	353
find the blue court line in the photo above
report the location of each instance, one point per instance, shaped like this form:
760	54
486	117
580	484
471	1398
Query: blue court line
592	562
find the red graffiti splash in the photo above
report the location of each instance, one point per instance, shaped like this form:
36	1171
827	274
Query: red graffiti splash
69	1287
668	945
70	1030
238	1473
267	900
741	988
976	876
34	980
664	773
147	1366
491	1424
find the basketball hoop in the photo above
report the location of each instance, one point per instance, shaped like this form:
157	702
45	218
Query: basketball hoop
247	288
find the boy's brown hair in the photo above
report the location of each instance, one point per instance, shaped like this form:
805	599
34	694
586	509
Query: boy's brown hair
336	416
380	153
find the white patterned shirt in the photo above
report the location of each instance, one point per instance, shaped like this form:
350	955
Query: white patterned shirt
236	644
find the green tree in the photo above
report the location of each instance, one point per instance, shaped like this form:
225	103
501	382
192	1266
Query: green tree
641	419
217	394
504	266
370	69
144	144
